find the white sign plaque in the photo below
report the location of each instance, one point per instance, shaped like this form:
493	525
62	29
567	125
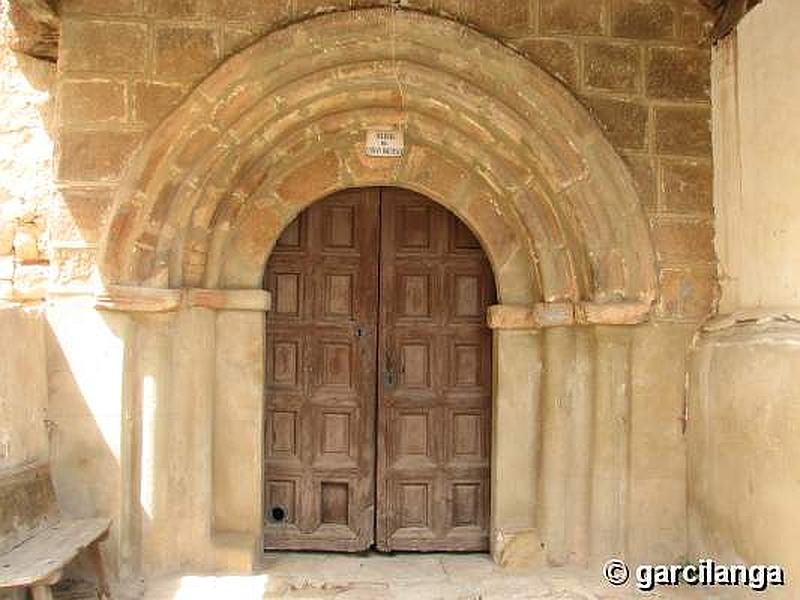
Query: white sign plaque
385	142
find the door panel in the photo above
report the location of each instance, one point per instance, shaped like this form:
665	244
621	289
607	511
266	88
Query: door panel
321	378
415	362
435	394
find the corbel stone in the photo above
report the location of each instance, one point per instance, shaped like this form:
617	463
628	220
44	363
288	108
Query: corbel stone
40	41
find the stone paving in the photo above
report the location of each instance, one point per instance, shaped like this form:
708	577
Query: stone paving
313	576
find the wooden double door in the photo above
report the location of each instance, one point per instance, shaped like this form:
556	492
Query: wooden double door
378	379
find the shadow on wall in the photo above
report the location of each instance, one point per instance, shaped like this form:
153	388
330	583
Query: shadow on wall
84	375
123	443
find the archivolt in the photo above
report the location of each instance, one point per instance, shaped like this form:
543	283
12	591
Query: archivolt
283	123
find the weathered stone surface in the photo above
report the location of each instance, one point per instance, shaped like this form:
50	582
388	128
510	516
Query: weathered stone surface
251	11
319	176
499	18
31	282
95	155
174	8
34	31
687	294
185	52
686	186
116	47
612	313
152	101
79	215
199	143
310	7
26	243
612	67
643	171
556	56
495	233
509	316
742	440
643	19
624	122
694	24
248	300
572	16
94	100
678	73
235	39
23	387
74	267
684	241
138	299
684	131
100	7
8	229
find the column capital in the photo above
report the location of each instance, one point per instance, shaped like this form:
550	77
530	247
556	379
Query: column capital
162	300
565	314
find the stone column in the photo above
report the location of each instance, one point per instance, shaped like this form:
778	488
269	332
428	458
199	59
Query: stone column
130	532
584	440
565	480
579	482
611	450
515	435
191	448
175	409
154	405
559	351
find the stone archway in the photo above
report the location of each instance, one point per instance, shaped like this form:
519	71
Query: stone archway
488	135
300	100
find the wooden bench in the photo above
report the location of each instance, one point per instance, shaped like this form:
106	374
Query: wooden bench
36	543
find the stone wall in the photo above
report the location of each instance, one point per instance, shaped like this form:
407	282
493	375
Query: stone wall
26	190
744	478
743	442
23	388
26	148
641	68
756	152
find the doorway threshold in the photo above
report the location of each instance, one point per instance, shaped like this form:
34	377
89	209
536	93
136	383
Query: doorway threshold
398	576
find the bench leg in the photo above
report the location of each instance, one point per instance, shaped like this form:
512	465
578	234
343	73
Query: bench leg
103	591
41	592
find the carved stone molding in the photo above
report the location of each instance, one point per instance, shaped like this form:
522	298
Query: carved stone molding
753	316
255	300
159	300
565	314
